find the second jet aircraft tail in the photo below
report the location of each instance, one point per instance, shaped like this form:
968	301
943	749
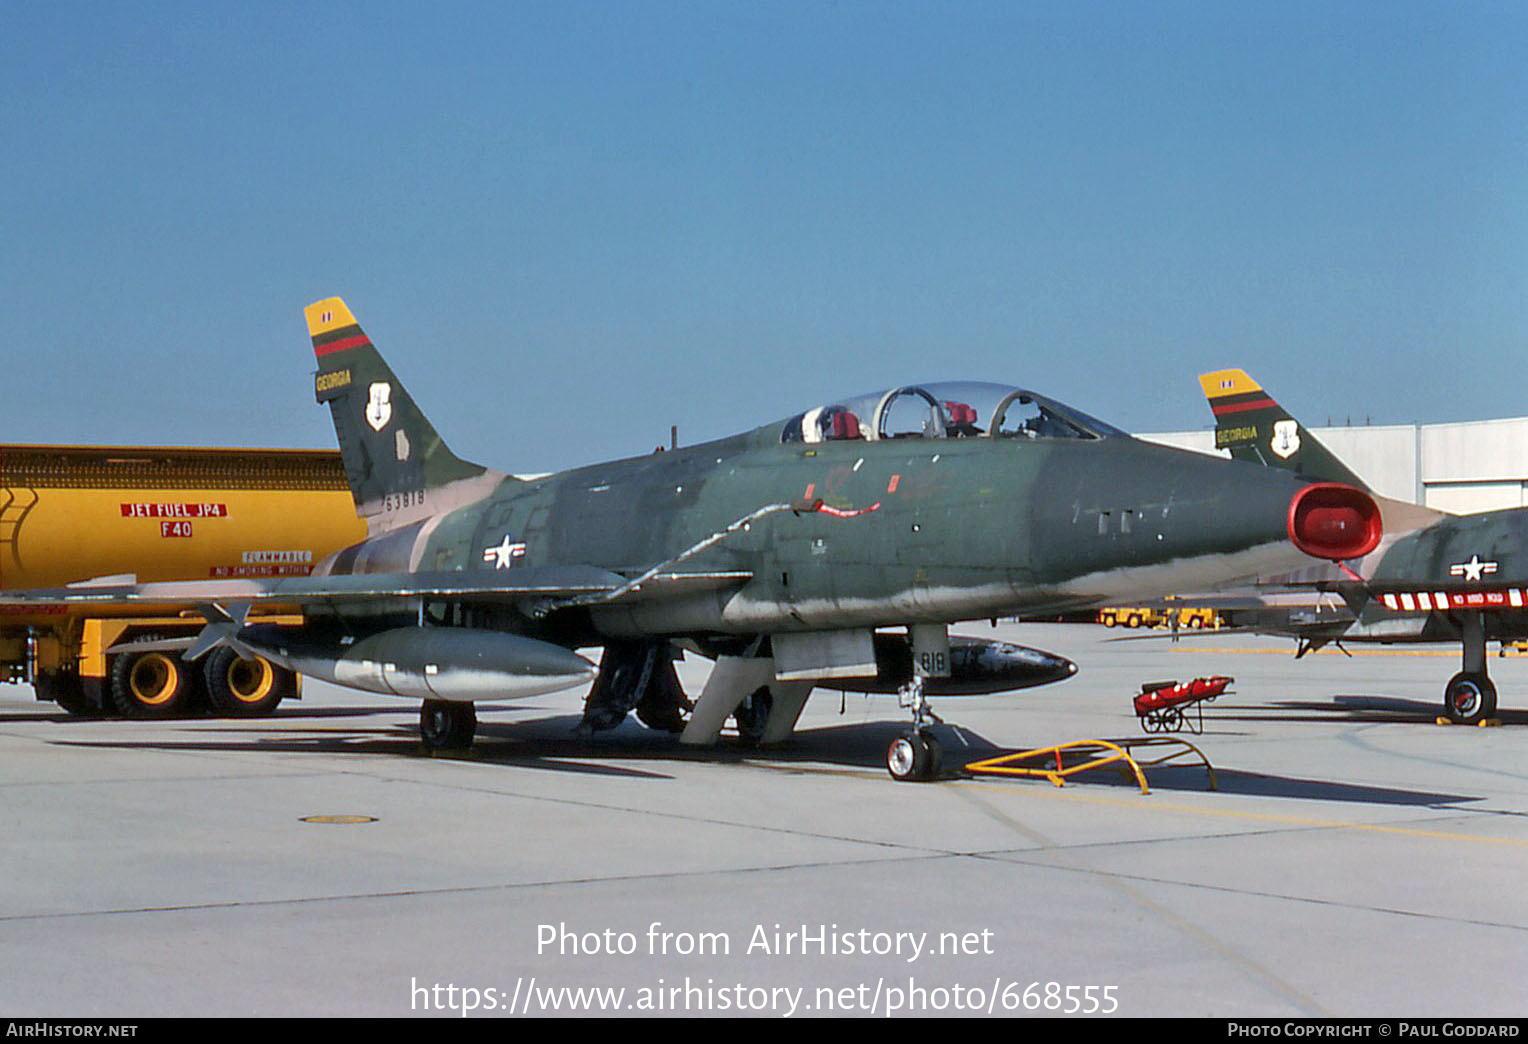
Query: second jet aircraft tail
1255	428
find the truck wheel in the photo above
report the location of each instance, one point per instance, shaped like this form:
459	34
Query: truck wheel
149	684
66	690
240	687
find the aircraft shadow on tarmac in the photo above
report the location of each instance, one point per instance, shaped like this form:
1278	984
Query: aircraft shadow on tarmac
63	717
1254	784
1357	708
554	744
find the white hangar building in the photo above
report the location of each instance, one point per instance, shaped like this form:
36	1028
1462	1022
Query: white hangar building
1462	467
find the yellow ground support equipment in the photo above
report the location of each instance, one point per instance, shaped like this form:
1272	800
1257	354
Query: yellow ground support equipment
73	513
1063	760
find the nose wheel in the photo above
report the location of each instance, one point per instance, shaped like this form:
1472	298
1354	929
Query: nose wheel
915	756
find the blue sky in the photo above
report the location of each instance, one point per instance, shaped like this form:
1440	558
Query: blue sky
569	225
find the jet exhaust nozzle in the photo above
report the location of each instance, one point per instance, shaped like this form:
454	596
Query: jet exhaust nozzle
1333	521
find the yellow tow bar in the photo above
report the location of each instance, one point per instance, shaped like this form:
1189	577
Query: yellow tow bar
1063	760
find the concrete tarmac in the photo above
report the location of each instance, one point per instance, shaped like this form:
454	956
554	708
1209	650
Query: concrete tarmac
1356	859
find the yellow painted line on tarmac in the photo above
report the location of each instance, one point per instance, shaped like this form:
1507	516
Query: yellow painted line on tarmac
1286	651
1150	804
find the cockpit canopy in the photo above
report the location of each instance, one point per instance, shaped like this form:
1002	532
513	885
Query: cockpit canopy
946	410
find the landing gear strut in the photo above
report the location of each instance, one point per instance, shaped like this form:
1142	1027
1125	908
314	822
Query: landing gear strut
637	676
1469	697
915	756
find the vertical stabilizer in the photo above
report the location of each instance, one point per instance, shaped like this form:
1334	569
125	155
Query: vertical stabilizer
393	456
1255	428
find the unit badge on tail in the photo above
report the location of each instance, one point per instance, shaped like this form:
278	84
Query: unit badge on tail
379	408
1286	438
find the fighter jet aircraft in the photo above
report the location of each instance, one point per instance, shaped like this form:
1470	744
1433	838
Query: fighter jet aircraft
788	554
1438	578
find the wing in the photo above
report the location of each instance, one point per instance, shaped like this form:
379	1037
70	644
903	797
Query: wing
543	589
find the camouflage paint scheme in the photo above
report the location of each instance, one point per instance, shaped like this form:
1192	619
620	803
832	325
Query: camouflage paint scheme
865	532
1435	578
794	542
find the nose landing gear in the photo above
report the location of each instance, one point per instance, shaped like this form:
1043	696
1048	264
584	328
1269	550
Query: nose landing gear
915	755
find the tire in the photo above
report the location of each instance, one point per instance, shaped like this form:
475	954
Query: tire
666	718
240	687
1469	698
752	716
447	725
935	757
664	706
909	757
149	684
66	690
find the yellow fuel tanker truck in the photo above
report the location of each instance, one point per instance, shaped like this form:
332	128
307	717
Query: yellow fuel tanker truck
72	514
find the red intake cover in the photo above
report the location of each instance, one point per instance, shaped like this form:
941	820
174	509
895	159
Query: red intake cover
1330	520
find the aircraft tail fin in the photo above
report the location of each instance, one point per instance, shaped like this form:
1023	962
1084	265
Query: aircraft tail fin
1255	428
393	456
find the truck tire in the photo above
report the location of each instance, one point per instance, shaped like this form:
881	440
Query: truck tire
149	684
65	689
241	687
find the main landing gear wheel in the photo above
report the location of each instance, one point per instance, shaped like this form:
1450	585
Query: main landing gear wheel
1469	698
914	757
752	716
447	725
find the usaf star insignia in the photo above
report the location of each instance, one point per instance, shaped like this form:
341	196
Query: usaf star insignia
504	554
1473	570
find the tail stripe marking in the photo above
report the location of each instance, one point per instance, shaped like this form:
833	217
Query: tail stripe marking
1261	403
354	341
